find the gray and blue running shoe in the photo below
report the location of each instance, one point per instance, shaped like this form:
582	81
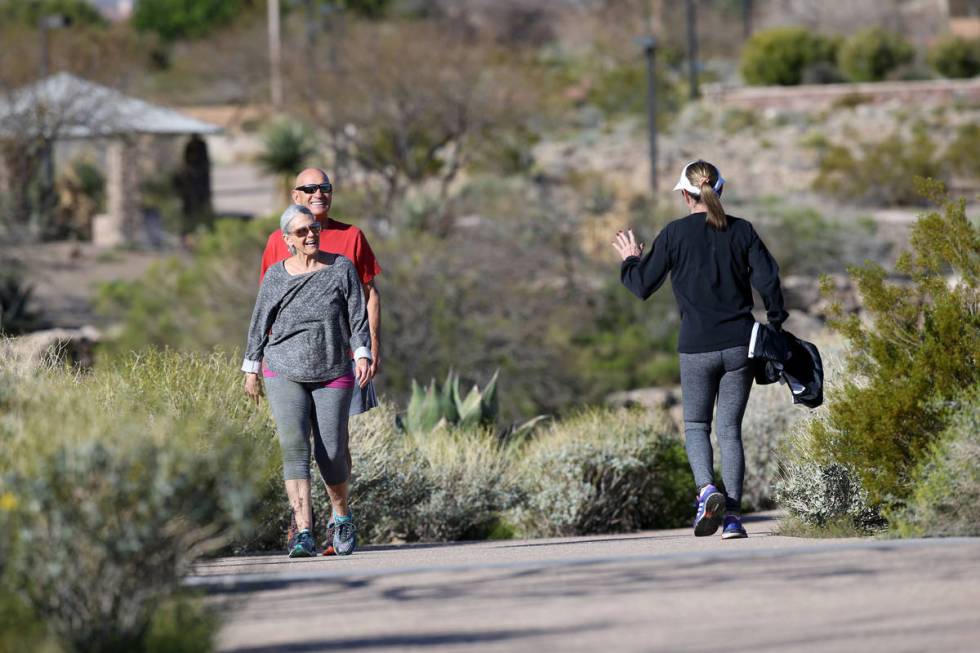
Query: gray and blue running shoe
711	508
303	545
344	537
733	529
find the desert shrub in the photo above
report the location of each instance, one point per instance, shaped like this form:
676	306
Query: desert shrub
822	72
20	629
870	54
916	347
735	120
191	304
956	57
806	242
116	482
826	494
467	473
767	428
630	344
963	154
604	471
780	55
27	14
444	484
879	172
946	491
388	482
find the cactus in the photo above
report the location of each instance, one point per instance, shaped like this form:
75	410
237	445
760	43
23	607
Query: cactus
442	404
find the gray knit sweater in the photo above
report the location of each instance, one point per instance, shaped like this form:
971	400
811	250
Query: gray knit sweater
305	326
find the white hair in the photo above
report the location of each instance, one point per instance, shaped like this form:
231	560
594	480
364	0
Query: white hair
291	212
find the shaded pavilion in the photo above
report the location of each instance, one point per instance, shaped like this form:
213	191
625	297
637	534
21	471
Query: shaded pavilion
64	107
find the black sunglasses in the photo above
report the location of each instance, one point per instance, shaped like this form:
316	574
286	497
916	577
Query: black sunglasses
309	189
302	231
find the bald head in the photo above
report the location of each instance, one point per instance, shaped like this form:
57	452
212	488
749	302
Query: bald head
318	201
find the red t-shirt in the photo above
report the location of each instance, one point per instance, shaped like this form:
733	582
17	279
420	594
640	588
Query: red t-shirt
336	238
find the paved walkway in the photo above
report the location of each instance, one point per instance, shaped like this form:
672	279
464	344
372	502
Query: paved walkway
661	590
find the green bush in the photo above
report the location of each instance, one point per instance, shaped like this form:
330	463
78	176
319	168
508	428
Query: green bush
879	172
870	54
604	471
963	154
191	305
388	481
807	243
916	346
470	484
956	57
27	14
630	344
116	481
946	498
782	54
179	19
444	484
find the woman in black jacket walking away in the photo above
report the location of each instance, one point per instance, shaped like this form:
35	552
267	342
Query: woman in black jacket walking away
714	260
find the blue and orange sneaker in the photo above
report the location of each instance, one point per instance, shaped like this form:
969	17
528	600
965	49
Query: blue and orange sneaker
733	530
328	549
711	508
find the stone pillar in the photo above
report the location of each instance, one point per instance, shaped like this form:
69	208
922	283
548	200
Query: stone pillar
121	224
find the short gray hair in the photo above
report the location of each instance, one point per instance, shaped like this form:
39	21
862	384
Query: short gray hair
291	212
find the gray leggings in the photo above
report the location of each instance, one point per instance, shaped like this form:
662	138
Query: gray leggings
302	409
724	376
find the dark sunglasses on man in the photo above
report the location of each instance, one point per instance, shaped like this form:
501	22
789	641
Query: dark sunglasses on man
309	189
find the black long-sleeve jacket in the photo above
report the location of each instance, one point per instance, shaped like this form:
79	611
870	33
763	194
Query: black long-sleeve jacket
712	273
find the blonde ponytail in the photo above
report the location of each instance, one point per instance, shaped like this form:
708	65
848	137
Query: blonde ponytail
704	176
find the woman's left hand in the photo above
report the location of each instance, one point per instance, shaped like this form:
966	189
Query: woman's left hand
362	372
626	244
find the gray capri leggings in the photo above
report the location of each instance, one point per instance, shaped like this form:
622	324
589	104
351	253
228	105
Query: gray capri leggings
724	376
302	409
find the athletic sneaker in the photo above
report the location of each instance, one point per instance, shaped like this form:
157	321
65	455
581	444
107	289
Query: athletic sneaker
344	537
711	508
293	530
733	528
328	549
303	545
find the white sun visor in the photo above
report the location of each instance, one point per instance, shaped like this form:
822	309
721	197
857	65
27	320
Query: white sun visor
684	184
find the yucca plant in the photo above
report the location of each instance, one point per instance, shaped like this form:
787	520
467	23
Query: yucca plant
286	148
443	404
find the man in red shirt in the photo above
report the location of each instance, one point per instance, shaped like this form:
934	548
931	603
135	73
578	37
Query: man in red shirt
314	191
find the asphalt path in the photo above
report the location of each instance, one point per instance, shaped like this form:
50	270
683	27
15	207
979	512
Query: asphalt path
650	591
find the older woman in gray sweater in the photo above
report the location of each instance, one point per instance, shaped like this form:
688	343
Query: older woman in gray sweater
309	315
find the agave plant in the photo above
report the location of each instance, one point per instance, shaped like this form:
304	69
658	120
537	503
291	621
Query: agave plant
443	404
